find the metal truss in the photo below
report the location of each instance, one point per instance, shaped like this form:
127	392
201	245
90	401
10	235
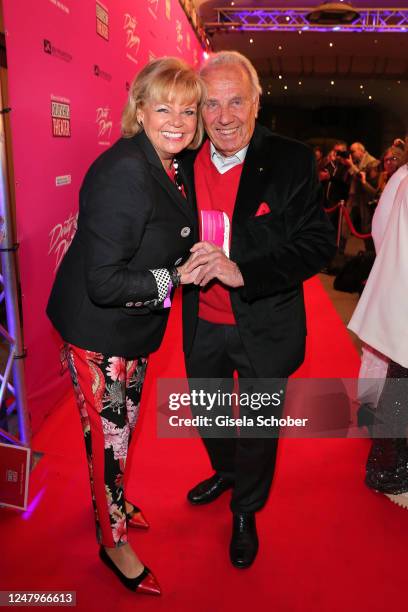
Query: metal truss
12	336
295	19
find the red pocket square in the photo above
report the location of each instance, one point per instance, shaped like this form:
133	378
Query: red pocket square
263	209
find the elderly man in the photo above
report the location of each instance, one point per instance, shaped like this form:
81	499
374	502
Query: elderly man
246	313
361	192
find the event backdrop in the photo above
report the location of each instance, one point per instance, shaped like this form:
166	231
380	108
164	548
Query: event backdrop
70	64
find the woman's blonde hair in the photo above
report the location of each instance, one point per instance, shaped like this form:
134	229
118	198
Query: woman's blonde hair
164	80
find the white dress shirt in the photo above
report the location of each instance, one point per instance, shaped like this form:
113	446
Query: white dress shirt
223	164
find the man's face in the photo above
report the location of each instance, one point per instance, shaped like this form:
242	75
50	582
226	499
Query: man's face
336	149
231	108
357	153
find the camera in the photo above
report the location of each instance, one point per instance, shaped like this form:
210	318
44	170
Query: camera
343	154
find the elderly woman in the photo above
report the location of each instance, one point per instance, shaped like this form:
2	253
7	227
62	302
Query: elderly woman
111	295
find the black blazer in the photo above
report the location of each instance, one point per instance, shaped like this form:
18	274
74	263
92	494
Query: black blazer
275	252
132	218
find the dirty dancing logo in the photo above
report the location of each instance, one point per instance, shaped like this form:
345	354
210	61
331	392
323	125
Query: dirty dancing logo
132	39
61	237
104	123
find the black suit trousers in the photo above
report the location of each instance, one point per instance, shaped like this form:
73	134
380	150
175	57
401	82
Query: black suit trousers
216	353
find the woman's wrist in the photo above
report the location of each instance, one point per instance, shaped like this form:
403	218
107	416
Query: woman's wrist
175	276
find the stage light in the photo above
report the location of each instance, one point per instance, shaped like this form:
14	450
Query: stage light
280	77
331	82
330	13
330	44
285	87
251	40
280	48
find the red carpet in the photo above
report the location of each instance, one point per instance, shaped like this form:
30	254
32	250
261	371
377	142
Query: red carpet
326	542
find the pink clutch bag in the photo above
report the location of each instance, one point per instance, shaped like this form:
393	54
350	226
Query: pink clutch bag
215	228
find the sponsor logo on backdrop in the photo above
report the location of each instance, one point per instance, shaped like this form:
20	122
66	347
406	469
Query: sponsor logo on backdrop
102	21
60	5
62	180
132	39
59	53
61	237
60	117
102	74
153	7
104	123
179	35
168	9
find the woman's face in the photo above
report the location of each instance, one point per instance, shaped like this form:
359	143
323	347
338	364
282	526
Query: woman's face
391	163
170	127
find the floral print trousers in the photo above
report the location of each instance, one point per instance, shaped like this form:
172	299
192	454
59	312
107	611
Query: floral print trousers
108	391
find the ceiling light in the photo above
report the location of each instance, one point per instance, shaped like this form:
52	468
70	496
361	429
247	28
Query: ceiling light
331	82
300	82
361	86
280	48
370	97
330	44
251	40
280	77
331	13
285	87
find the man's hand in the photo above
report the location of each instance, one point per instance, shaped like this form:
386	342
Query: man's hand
213	263
188	271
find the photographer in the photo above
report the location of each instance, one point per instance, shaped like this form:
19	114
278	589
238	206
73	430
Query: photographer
359	164
337	175
335	178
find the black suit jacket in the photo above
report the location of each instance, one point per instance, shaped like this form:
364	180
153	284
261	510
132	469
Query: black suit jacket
275	252
132	218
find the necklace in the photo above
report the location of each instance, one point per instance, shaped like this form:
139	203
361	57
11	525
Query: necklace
177	177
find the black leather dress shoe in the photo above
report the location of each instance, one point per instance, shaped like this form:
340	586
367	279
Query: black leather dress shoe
244	541
208	490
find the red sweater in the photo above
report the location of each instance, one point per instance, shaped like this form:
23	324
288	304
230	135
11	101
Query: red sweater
215	191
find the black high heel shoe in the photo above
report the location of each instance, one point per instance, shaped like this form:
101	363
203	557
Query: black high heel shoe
145	583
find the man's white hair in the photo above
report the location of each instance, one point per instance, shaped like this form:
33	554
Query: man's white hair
228	58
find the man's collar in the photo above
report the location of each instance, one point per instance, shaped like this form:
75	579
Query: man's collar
239	156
